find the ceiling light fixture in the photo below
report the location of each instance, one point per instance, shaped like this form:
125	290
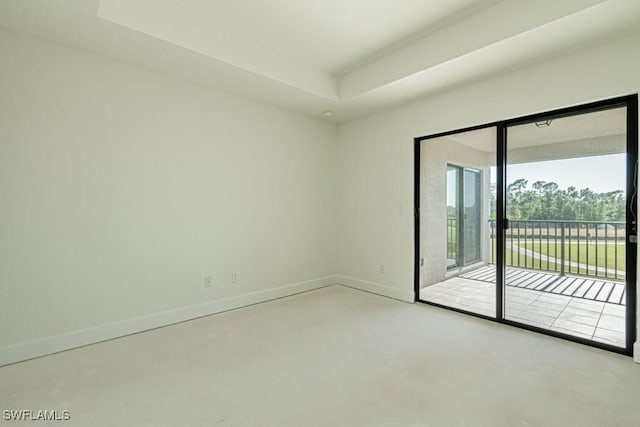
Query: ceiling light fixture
544	123
327	114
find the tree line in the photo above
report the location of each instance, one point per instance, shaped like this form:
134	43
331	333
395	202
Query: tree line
546	201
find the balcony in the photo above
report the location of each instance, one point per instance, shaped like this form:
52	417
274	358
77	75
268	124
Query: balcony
567	276
584	248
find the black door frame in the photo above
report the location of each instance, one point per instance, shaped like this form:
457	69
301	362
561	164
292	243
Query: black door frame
631	104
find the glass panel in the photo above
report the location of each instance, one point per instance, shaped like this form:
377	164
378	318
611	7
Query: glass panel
456	265
565	247
472	215
453	217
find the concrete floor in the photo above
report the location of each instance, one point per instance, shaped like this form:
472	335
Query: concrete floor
331	357
594	320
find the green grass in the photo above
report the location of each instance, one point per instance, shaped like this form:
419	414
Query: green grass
606	255
452	238
516	259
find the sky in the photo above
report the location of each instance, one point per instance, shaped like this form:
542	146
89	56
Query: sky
599	173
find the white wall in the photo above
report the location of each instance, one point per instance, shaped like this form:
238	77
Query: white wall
375	154
120	188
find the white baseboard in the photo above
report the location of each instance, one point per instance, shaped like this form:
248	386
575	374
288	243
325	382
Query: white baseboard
376	288
54	344
636	352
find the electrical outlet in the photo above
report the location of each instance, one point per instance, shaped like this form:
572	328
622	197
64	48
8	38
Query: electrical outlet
208	281
234	277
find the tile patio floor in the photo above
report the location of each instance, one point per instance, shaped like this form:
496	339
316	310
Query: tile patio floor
596	320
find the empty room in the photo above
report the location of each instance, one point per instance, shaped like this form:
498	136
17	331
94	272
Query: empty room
305	213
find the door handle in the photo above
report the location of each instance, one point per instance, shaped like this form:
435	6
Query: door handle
506	223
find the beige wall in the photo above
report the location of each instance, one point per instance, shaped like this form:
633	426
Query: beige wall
120	188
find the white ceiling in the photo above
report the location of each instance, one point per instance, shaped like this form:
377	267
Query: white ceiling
328	35
353	57
580	127
592	126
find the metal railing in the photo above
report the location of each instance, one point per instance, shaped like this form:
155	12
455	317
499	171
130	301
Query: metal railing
585	248
452	242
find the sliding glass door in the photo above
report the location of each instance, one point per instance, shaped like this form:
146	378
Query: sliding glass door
471	216
463	216
565	246
455	236
532	222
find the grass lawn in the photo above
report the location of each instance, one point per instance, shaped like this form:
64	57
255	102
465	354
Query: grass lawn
517	259
601	255
452	241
